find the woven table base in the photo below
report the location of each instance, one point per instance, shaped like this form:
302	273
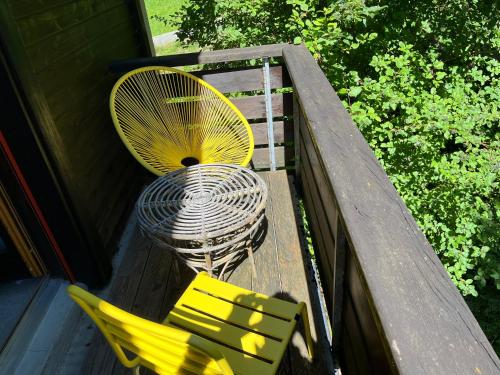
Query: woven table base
208	214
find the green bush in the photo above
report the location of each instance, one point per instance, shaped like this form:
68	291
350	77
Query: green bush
420	80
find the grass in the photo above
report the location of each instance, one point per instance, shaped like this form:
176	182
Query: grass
159	11
175	48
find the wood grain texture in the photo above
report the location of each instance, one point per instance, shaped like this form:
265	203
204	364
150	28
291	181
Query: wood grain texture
283	155
424	323
244	79
354	353
52	20
265	256
340	255
145	283
203	57
297	119
61	51
82	36
123	292
283	132
321	230
267	262
296	274
356	312
319	243
254	107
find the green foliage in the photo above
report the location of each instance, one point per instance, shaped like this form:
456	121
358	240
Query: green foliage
420	79
233	23
435	133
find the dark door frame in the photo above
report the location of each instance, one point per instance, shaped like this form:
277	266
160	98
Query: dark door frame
33	185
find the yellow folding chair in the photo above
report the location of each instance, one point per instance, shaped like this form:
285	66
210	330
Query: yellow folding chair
214	328
170	119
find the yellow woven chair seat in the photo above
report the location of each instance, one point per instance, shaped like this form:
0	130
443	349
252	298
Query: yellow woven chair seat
214	328
170	119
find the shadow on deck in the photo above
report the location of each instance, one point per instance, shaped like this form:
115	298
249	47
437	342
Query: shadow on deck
145	283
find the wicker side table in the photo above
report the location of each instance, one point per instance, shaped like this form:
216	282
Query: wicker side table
208	214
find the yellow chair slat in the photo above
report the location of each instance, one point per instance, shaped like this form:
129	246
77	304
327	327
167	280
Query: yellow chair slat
215	330
243	364
259	302
235	314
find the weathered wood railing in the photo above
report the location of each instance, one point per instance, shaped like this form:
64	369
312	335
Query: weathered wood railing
393	308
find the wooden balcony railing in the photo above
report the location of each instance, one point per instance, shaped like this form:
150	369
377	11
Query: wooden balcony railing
393	307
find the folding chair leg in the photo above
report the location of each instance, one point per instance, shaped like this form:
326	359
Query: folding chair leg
307	328
136	370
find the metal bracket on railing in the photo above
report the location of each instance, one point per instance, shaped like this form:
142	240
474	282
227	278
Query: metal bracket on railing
269	113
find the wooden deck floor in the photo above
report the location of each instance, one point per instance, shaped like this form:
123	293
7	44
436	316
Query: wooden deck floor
145	284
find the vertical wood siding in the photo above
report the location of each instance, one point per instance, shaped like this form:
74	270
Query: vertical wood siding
61	51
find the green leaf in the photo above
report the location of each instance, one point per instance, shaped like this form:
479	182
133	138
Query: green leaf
355	91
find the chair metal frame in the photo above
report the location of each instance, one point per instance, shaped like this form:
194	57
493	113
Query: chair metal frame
155	115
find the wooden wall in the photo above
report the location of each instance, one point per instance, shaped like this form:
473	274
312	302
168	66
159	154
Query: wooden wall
60	51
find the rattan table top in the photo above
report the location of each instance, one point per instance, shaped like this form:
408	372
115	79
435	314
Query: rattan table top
201	202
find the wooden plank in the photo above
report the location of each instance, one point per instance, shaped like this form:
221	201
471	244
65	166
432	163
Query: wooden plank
105	223
293	270
297	119
283	132
347	362
324	228
157	280
244	79
326	194
365	322
23	8
260	159
340	255
81	36
355	356
148	302
268	279
254	107
145	29
52	21
175	287
268	273
101	359
325	269
202	57
425	324
57	78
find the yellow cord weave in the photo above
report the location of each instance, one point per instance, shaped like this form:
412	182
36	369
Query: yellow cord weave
170	119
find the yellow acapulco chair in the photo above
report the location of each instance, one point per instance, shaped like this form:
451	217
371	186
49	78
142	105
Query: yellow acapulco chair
170	119
214	328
